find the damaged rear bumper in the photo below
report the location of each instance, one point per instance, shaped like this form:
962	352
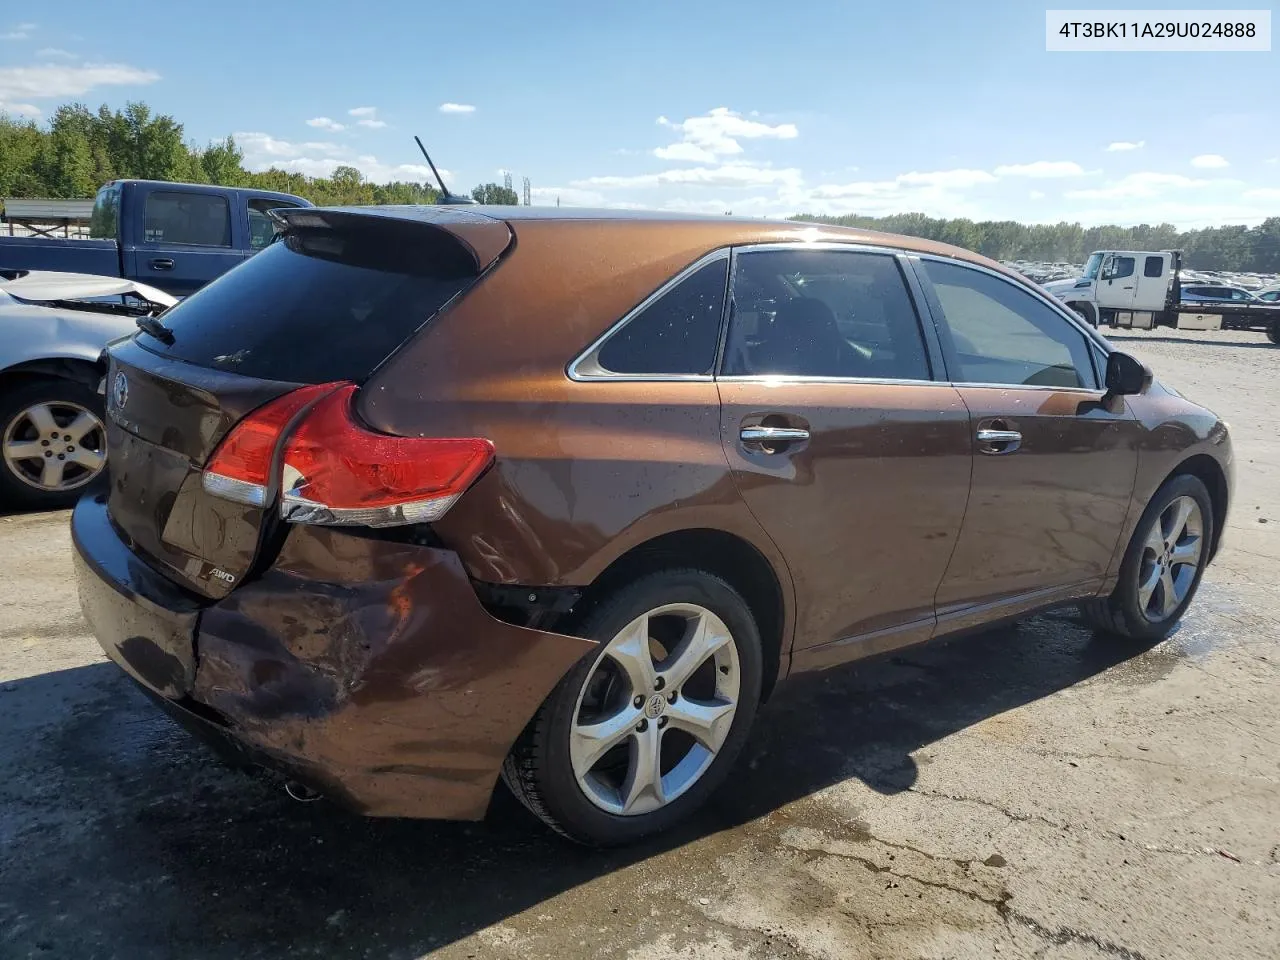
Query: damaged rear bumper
366	669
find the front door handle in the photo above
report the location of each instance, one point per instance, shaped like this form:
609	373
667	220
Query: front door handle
992	441
161	263
772	434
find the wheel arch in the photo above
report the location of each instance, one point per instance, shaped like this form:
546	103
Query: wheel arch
1085	309
80	370
1209	472
723	554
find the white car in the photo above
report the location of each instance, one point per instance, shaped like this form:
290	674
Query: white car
53	327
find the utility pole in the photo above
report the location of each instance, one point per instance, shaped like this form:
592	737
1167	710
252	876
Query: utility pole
528	193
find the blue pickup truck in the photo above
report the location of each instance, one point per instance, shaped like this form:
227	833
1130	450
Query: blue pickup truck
173	236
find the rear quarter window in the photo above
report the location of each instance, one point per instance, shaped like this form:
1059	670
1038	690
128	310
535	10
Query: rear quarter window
319	305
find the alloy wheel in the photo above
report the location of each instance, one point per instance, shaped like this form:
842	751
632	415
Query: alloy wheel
55	446
1170	559
655	709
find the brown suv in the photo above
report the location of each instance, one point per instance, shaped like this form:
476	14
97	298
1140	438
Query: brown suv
419	497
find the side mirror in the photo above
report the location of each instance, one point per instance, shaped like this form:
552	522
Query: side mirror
1126	375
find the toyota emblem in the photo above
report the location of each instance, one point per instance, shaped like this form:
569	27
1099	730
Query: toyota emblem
120	390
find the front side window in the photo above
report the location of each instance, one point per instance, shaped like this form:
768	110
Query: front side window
823	313
1120	268
675	335
1153	267
197	219
1003	334
1271	296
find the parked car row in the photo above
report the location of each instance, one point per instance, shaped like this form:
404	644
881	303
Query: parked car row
443	496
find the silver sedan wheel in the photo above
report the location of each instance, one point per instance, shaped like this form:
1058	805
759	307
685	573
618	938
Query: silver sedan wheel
655	709
55	446
1170	559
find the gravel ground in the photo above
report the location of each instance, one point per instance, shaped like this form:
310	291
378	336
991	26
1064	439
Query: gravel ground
1028	792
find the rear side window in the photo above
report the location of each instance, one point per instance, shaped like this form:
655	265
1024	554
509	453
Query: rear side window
677	334
262	229
319	305
1153	267
196	219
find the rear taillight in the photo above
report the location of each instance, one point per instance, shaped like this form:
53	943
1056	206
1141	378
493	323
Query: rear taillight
240	468
337	472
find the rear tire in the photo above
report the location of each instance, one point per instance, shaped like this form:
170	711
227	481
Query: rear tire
560	767
1157	584
1273	332
52	442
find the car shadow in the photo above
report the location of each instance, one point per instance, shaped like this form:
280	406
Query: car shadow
125	838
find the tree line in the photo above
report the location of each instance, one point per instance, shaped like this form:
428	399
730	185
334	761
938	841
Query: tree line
79	149
1240	248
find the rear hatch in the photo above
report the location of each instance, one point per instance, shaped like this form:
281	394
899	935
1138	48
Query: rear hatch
327	303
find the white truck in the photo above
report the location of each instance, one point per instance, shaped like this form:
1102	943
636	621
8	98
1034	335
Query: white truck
1143	289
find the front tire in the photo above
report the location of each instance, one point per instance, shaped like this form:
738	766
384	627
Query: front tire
52	442
1162	565
638	735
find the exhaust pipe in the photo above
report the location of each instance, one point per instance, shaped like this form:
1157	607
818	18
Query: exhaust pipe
300	792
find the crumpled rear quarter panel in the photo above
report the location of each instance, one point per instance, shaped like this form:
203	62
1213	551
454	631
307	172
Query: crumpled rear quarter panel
373	666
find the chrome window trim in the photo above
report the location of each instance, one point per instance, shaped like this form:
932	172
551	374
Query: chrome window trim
798	378
773	246
1092	338
585	367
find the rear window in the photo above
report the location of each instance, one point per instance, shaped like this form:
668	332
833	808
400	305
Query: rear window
319	305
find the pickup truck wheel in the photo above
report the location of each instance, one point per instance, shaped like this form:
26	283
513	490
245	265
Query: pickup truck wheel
53	442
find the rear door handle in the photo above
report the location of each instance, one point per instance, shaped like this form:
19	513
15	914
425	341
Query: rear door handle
998	441
161	263
772	434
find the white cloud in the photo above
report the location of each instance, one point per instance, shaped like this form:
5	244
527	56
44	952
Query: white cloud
321	158
1274	160
728	175
20	109
20	31
1041	169
1209	161
1120	146
50	80
367	117
262	145
325	123
568	196
707	138
1138	185
954	179
1036	195
1265	194
55	53
457	108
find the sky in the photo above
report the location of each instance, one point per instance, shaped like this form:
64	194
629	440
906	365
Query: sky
952	109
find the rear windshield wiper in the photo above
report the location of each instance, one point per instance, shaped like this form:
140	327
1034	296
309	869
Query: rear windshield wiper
152	326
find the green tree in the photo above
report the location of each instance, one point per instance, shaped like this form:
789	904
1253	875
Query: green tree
492	193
